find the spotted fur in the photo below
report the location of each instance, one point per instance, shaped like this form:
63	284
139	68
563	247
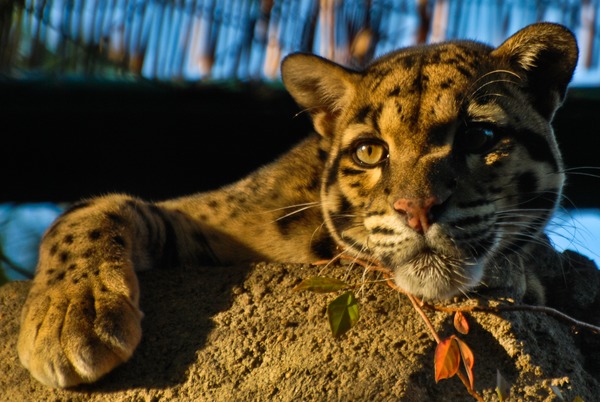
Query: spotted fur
437	161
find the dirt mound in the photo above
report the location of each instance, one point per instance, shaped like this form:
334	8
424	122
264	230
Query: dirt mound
243	334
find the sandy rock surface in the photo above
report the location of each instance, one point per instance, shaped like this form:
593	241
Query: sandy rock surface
243	334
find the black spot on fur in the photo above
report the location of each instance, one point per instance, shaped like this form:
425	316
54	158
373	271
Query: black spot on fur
408	61
169	257
342	217
416	86
527	183
382	230
64	256
394	92
314	183
398	107
362	114
376	213
323	247
68	239
352	172
538	148
72	267
94	234
464	71
447	83
213	204
53	249
148	221
323	155
119	241
284	225
376	116
114	217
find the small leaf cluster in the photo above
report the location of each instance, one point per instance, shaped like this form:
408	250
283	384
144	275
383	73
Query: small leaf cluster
343	311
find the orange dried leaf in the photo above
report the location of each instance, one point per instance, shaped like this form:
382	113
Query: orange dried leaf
321	284
447	359
467	358
460	323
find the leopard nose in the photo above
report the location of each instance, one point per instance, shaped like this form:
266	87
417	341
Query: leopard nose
417	211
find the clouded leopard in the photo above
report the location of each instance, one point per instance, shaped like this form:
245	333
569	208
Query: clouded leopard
438	161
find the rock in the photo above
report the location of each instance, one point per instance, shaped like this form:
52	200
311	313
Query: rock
244	334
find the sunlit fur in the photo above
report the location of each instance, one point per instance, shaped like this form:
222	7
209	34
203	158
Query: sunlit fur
460	124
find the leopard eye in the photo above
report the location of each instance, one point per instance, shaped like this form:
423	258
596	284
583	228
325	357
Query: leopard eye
370	153
478	138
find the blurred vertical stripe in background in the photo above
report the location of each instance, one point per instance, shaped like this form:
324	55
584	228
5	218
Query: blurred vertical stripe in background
246	39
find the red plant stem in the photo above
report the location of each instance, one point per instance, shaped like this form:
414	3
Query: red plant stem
417	307
517	307
471	391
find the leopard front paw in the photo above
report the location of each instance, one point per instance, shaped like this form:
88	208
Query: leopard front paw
73	336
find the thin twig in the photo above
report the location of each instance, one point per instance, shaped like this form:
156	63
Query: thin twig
471	391
417	307
516	307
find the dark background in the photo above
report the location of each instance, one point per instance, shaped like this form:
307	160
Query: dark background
62	141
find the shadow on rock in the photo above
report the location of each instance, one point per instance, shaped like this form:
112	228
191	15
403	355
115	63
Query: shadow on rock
178	306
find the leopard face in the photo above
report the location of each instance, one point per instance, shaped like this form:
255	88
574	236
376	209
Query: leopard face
443	161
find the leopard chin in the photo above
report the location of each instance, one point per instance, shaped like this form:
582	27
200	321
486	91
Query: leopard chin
434	276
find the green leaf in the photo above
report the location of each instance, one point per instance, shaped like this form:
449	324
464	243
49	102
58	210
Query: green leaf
343	313
321	284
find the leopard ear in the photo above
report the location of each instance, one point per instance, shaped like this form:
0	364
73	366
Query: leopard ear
546	54
322	87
